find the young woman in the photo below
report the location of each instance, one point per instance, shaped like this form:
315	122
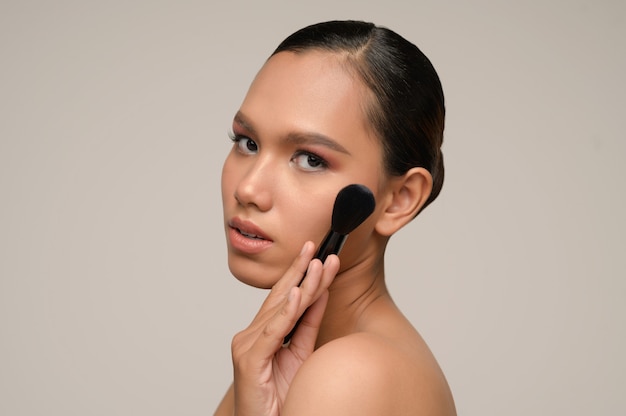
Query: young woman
337	103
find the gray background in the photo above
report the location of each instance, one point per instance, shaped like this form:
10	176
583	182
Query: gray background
115	298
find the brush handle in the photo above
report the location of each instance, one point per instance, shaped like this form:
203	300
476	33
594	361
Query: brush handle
332	244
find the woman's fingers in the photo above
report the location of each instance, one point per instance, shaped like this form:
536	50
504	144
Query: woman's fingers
318	279
290	278
304	338
284	306
267	339
257	343
294	274
298	299
315	285
303	341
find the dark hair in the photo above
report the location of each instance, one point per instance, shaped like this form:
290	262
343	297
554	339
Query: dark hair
408	111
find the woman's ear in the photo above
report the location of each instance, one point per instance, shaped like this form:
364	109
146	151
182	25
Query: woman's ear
406	195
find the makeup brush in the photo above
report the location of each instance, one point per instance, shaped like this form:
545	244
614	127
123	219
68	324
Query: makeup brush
353	205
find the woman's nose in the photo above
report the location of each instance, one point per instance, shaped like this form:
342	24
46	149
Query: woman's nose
255	186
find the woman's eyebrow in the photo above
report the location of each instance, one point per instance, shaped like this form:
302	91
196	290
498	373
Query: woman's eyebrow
297	138
307	138
242	120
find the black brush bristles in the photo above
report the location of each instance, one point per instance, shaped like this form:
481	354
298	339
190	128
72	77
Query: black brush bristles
353	205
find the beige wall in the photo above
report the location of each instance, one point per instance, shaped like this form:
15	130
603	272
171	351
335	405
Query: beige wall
115	298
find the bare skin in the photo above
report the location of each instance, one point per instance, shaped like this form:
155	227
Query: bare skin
354	353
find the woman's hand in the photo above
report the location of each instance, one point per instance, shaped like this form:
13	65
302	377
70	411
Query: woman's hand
264	368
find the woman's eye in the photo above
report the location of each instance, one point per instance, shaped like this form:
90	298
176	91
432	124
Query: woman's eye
309	161
246	145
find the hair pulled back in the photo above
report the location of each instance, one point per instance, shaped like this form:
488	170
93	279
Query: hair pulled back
408	111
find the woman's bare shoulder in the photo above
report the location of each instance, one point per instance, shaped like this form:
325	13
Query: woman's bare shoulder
227	405
364	374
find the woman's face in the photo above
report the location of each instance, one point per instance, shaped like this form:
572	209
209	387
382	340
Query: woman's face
300	136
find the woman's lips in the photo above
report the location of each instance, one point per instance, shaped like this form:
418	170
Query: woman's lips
246	237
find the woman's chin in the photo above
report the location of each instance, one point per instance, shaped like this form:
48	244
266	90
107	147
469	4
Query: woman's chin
253	282
253	274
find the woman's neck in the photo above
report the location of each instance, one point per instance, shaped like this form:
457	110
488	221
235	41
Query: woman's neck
352	293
